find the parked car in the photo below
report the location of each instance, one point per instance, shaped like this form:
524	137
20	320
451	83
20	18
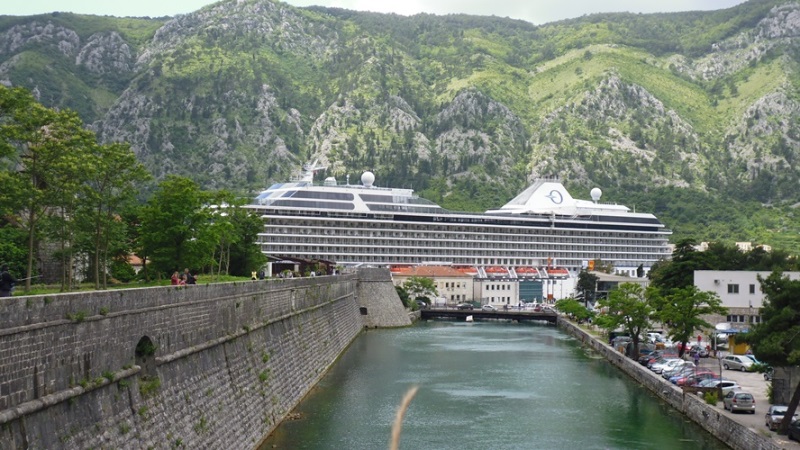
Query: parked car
775	415
709	381
464	306
683	373
702	351
735	401
661	360
725	385
737	362
692	380
794	430
647	360
488	308
681	368
667	364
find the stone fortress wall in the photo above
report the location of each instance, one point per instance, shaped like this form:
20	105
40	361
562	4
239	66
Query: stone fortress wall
732	433
201	366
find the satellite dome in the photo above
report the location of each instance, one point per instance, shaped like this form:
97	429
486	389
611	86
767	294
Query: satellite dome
330	181
596	193
367	178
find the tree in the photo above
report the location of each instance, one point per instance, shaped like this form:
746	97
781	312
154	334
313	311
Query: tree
113	174
174	226
236	230
679	272
573	308
776	340
682	311
587	286
45	151
420	287
628	307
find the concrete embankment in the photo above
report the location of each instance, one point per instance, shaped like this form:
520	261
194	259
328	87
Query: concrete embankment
732	433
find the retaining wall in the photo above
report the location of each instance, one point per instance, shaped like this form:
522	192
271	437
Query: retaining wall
732	433
380	305
231	360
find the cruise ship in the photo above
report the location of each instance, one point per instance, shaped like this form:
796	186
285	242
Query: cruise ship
363	224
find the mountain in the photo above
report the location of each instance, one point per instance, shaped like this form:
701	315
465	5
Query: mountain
694	116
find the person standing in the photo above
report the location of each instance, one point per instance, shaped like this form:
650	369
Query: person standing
7	281
175	280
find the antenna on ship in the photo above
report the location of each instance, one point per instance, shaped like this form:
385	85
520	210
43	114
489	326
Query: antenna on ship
309	169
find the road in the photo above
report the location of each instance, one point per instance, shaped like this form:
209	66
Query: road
755	384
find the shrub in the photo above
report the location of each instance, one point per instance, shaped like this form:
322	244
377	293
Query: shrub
710	398
148	386
122	271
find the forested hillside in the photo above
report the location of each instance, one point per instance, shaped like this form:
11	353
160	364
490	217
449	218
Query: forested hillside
693	116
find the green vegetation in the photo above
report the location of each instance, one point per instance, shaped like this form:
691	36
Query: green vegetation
685	115
77	317
148	386
416	290
774	339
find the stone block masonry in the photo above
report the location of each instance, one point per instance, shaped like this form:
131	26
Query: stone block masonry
380	305
203	366
732	433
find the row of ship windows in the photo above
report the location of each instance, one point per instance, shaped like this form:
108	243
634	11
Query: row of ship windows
459	248
454	240
373	226
519	234
487	287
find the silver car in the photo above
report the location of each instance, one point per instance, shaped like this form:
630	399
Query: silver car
775	415
739	401
737	362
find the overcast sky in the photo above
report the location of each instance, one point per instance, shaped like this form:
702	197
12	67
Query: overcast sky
534	11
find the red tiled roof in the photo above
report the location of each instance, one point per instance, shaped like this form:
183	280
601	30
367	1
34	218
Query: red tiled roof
428	271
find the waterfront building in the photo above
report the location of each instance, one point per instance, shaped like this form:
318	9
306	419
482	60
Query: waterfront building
453	285
368	225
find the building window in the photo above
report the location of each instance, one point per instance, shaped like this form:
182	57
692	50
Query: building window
733	289
752	288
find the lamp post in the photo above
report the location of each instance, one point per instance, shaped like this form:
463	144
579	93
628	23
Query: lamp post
716	355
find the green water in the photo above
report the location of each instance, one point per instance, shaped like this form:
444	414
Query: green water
483	386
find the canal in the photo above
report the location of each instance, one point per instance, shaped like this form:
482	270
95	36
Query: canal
482	385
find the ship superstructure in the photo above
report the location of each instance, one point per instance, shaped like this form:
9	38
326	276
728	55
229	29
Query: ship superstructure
365	224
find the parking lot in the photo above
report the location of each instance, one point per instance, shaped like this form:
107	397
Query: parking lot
755	384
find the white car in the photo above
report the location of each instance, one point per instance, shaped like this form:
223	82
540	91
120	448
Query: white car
488	308
668	364
725	385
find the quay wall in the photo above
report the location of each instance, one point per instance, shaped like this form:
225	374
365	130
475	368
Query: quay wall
732	433
200	366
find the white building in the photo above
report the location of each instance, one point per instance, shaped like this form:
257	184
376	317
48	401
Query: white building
739	291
